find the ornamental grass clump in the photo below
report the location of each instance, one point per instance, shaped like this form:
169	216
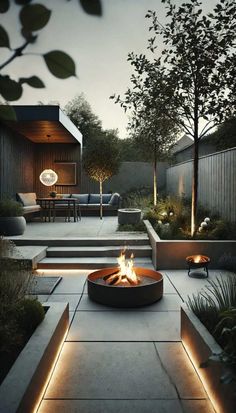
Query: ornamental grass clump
215	306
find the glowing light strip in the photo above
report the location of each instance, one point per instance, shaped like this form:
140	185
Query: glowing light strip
204	382
50	373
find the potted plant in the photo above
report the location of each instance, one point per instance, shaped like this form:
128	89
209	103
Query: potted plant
12	221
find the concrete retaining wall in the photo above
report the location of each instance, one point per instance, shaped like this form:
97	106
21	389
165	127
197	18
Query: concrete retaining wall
168	254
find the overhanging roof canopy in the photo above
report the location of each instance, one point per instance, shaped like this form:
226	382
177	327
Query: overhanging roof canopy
45	124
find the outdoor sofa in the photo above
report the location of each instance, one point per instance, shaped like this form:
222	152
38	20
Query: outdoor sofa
89	204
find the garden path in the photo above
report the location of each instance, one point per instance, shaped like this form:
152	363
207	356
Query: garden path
124	360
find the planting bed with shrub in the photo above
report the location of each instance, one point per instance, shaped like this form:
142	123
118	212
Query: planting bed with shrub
20	314
215	307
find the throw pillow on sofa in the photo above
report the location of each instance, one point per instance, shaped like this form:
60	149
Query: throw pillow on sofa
115	198
27	198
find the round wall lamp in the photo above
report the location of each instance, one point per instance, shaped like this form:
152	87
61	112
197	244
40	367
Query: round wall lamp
48	177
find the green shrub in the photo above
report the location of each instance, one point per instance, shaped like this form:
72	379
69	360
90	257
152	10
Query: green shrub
171	220
137	198
140	227
10	208
29	314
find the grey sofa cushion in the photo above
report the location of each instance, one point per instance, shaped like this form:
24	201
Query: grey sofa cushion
95	198
27	198
115	198
82	198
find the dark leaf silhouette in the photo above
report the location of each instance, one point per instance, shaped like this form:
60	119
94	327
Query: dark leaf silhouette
28	35
10	89
4	39
4	5
32	81
93	7
34	17
60	64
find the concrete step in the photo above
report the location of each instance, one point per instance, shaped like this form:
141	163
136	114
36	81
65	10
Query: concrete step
87	263
32	254
137	239
103	251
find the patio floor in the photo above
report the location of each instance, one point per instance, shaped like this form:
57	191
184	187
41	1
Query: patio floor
124	360
87	227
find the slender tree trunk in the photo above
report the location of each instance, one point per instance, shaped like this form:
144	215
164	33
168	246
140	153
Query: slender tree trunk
100	199
194	187
155	182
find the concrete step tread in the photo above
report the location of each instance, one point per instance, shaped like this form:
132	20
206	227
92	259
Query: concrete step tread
84	241
31	253
88	260
99	248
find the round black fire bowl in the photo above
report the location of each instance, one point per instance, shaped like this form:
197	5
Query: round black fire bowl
148	291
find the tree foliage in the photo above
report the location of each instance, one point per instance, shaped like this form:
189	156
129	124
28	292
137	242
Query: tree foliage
152	130
101	159
34	17
225	135
81	114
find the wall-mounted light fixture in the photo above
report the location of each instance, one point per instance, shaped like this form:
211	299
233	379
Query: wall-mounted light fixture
48	177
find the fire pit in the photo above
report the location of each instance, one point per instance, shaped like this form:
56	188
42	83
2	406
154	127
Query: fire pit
126	285
198	261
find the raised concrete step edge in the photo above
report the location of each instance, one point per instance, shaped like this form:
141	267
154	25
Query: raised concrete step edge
87	263
99	251
76	242
33	254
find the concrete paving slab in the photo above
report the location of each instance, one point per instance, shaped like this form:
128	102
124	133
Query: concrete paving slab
88	226
109	371
112	406
125	326
187	285
72	281
72	299
180	369
42	298
169	302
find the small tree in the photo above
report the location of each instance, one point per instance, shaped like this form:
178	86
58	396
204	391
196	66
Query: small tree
150	127
101	159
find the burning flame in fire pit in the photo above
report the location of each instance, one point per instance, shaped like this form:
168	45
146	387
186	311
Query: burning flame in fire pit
125	274
197	258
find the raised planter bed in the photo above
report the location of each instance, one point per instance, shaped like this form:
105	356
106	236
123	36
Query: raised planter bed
23	387
199	345
171	254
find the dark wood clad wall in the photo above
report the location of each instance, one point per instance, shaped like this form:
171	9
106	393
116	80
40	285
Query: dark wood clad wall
16	163
46	155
